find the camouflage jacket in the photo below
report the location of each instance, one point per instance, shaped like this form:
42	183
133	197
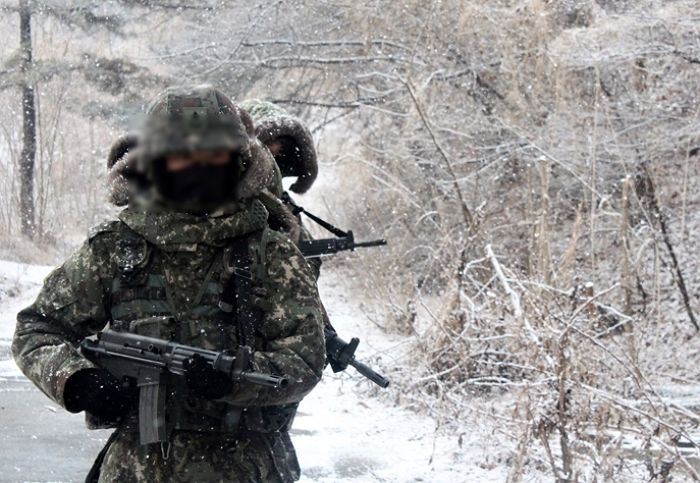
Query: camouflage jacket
148	248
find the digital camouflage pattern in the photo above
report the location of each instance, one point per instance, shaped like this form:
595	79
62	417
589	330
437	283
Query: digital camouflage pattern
196	118
159	272
225	458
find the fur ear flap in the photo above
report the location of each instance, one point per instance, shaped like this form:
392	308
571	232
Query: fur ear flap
120	148
281	217
123	180
246	120
259	173
260	170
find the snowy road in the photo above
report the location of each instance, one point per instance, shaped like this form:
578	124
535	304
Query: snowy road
341	432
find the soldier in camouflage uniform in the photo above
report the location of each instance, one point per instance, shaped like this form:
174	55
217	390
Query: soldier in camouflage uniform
289	140
160	270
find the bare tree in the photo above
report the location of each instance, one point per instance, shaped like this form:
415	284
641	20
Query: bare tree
28	156
118	85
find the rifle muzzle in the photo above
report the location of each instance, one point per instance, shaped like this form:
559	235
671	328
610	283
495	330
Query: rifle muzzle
266	379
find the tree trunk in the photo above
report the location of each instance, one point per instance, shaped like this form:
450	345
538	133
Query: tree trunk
27	158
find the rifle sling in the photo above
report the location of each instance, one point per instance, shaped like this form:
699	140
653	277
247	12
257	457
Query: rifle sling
93	475
296	209
237	295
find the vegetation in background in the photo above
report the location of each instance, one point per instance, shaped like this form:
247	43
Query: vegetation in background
533	164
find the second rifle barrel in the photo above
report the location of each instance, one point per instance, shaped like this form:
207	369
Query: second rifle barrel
372	243
369	373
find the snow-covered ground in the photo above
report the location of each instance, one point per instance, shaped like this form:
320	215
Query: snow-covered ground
19	284
342	433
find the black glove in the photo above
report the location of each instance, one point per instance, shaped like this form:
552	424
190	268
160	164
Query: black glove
99	393
203	380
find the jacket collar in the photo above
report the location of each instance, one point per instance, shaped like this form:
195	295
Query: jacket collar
177	231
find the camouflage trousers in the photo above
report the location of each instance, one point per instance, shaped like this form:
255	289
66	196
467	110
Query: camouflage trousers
201	457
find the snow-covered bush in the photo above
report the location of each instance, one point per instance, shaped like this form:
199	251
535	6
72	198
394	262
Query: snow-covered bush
534	174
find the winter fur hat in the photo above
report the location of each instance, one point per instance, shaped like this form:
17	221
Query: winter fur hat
125	177
261	178
127	168
297	157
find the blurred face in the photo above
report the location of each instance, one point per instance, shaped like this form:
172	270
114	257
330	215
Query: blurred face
198	180
179	162
275	147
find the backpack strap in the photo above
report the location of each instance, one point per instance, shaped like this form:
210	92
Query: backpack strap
238	293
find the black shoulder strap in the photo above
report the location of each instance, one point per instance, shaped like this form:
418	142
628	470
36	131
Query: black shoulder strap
93	475
297	210
238	290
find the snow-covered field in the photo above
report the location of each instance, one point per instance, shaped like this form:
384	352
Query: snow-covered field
19	284
342	432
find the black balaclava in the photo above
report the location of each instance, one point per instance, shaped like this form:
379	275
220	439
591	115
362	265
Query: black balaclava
198	189
289	156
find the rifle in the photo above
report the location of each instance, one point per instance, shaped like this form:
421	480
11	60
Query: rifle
341	354
330	246
148	360
345	240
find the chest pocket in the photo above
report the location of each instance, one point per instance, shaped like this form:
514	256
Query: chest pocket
137	292
132	301
140	301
